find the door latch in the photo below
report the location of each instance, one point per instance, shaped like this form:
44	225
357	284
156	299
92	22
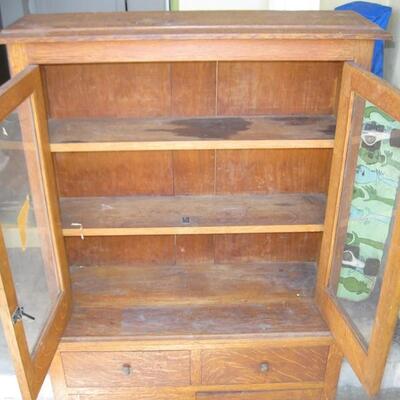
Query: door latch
19	313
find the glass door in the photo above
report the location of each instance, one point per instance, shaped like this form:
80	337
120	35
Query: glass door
359	278
34	287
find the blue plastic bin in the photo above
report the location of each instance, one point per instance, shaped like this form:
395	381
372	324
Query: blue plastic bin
379	15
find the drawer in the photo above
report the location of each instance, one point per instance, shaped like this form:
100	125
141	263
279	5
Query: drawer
264	365
269	395
119	369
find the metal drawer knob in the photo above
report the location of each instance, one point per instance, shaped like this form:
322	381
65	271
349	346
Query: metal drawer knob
127	369
264	367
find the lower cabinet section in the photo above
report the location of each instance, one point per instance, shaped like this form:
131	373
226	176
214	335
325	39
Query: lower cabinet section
268	395
219	371
257	395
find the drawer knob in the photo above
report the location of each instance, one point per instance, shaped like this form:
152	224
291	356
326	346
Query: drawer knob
264	367
127	369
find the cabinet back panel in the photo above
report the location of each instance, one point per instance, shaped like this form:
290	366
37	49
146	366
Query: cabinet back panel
192	88
193	249
192	172
251	88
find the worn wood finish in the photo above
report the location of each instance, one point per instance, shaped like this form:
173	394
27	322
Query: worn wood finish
273	247
244	366
113	174
129	286
193	249
155	368
122	134
193	89
367	363
297	318
191	25
253	88
139	394
267	171
192	172
151	215
121	250
108	90
261	395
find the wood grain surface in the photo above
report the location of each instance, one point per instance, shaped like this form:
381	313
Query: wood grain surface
262	395
296	318
192	214
193	249
241	366
109	369
84	134
190	25
146	285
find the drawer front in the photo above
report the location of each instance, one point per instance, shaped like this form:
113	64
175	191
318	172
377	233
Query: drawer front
264	365
270	395
116	369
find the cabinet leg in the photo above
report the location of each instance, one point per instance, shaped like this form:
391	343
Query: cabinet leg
333	368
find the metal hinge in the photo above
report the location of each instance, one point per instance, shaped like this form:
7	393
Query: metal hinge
19	313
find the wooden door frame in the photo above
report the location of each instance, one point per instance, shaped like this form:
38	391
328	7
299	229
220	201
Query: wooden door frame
32	369
368	363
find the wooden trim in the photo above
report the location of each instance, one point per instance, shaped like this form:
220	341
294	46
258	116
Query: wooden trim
203	230
192	145
367	363
68	344
203	388
192	50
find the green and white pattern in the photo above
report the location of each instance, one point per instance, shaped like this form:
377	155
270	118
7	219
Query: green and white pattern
373	205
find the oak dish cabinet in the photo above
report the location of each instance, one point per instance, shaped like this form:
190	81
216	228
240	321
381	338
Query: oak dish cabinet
197	205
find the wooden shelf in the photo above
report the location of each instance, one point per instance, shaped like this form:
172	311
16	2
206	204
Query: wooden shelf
214	214
149	285
294	318
122	134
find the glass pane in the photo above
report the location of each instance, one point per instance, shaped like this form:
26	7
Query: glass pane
24	222
368	204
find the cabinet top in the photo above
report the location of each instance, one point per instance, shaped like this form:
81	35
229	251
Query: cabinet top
192	25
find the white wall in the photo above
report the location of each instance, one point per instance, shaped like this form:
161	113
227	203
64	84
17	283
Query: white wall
223	4
11	10
64	6
392	52
249	4
331	4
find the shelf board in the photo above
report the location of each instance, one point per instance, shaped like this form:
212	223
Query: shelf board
212	214
151	285
260	132
293	318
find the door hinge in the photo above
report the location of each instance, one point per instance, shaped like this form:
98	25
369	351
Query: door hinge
19	313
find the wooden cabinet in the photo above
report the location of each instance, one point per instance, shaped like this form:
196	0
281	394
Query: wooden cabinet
200	190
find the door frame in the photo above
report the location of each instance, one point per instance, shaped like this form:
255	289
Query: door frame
31	370
369	363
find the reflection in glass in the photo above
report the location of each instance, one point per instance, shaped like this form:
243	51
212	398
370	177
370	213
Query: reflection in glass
368	206
24	222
